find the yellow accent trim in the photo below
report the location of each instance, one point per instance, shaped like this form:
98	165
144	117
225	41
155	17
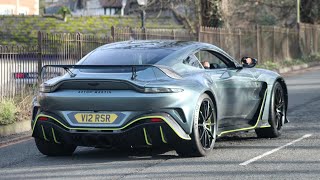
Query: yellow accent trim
145	137
54	137
44	134
162	136
252	127
99	129
265	126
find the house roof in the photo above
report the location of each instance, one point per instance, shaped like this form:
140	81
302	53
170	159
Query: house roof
111	3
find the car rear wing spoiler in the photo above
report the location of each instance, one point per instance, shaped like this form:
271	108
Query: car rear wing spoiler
166	70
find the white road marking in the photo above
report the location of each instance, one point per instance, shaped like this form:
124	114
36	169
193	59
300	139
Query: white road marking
274	150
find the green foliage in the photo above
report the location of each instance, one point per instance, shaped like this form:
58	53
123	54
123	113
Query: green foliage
269	64
311	58
267	20
42	5
64	11
208	13
292	62
23	102
24	29
310	11
211	13
7	112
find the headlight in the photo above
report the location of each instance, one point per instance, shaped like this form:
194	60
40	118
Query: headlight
162	90
45	88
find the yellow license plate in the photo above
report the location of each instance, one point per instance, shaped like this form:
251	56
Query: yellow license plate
95	118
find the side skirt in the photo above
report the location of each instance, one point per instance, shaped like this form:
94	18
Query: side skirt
250	127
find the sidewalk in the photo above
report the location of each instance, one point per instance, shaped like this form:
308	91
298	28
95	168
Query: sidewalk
7	140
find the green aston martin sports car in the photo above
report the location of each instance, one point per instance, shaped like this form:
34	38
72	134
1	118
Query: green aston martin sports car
131	94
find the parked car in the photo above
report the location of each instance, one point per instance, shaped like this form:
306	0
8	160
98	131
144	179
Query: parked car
153	94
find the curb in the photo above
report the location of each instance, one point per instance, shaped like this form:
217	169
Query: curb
15	128
296	67
14	139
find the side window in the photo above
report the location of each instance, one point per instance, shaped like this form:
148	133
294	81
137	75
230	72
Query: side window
192	60
207	58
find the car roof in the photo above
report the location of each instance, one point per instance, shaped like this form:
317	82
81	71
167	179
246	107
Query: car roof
154	44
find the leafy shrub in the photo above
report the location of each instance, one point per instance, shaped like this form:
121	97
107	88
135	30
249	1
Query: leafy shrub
267	20
311	58
23	110
269	65
7	112
291	62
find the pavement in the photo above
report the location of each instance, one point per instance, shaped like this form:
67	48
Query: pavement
295	155
15	138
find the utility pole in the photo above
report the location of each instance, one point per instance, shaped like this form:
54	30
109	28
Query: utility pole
298	11
143	4
123	5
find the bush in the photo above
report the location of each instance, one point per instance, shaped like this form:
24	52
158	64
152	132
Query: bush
269	65
7	112
311	58
23	109
267	20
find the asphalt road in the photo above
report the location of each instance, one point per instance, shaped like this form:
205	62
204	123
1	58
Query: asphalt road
295	155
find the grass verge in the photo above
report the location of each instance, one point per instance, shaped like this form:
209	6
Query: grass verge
15	109
287	63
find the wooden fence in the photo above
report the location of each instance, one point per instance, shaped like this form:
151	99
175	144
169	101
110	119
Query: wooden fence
264	42
19	65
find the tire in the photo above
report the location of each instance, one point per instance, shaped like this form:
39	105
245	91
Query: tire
204	130
277	114
53	149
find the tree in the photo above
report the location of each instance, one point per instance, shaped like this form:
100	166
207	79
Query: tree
210	13
64	11
310	11
244	13
192	13
42	6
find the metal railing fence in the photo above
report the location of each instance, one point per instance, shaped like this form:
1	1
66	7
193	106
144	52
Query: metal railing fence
19	65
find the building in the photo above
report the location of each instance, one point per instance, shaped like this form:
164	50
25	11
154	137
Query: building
19	7
86	7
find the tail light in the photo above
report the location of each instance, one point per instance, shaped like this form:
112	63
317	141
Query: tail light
162	90
43	118
155	120
45	88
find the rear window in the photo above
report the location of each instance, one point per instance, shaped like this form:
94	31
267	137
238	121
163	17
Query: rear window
126	56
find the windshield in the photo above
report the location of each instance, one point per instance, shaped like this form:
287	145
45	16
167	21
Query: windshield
126	56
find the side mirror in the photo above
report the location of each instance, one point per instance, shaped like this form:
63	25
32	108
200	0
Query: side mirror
249	62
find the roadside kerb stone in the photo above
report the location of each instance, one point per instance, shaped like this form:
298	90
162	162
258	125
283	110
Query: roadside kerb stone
15	128
296	67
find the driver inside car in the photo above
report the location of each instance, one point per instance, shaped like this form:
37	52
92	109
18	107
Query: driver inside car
205	64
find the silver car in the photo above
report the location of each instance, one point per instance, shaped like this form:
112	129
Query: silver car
156	94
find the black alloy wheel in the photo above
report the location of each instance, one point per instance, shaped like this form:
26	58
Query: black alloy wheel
204	130
206	124
279	107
